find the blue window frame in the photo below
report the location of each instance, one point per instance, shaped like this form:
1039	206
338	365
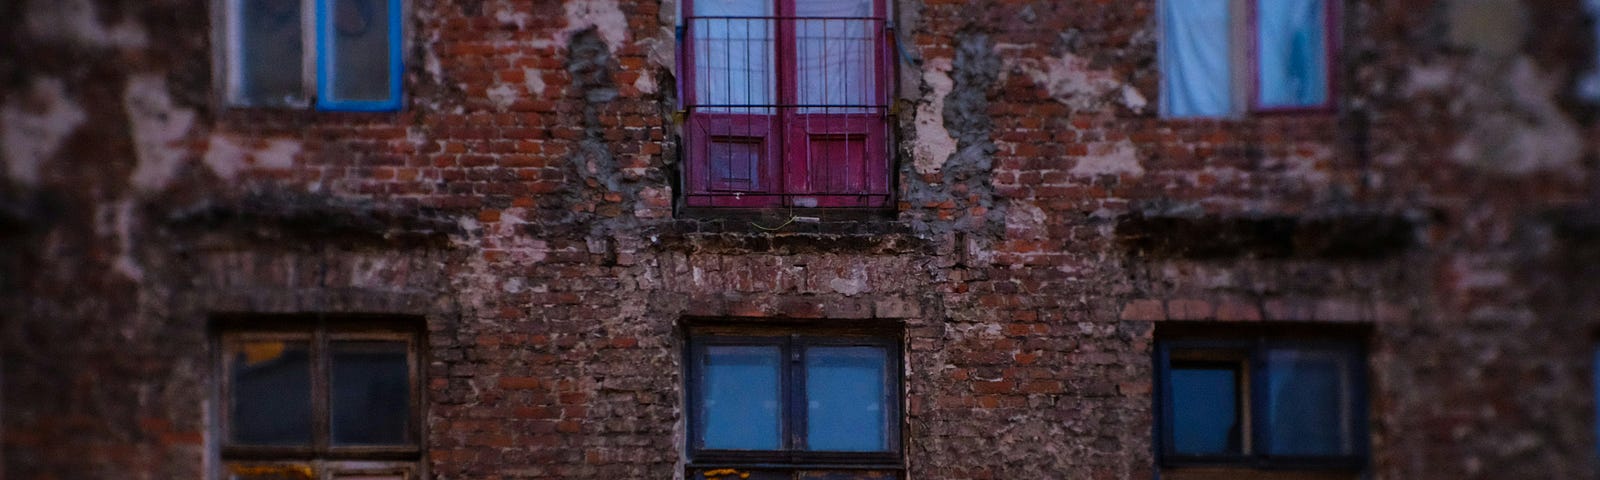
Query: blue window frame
792	399
344	54
1261	403
1220	56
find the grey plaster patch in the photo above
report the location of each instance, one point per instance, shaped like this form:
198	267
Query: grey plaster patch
158	128
1493	27
1516	125
78	22
1109	158
933	144
33	127
604	16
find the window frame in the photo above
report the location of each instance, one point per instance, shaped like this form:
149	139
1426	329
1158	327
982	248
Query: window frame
315	62
781	136
319	333
1244	63
792	408
1255	435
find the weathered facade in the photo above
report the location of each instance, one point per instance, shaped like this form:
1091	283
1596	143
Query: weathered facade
1049	226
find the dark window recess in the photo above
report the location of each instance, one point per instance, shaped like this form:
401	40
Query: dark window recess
787	402
305	395
787	103
1262	403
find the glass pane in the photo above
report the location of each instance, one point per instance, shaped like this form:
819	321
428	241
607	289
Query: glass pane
360	46
271	392
844	399
1293	52
370	393
1594	372
733	55
834	54
1205	410
1309	402
739	403
1194	58
268	51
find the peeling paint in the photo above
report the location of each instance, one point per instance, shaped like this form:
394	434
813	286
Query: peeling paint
1119	158
1069	80
158	128
602	15
33	127
78	22
933	145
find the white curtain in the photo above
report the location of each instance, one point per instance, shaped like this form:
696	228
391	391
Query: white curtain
1194	58
733	57
834	54
1292	41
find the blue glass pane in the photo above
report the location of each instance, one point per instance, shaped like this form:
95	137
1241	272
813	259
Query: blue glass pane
844	399
1309	403
1194	58
1205	411
1594	370
271	393
360	46
739	406
371	393
1293	51
269	49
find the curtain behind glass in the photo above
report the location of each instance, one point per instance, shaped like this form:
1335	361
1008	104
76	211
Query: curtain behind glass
733	57
1309	402
1194	58
834	54
1292	44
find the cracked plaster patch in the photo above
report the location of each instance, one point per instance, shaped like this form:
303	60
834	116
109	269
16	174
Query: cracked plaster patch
33	127
226	156
1518	129
158	130
933	145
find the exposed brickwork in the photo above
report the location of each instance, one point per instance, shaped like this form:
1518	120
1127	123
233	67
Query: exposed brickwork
522	203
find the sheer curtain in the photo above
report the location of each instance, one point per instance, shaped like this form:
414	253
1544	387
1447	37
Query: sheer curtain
1292	44
733	57
1194	58
834	42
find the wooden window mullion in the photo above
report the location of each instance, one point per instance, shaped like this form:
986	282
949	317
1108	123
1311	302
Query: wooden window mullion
320	361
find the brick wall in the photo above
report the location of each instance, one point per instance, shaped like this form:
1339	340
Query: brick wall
1050	224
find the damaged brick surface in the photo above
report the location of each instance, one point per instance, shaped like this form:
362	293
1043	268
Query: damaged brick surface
1049	225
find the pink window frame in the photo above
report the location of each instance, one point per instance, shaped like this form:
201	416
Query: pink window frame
1331	46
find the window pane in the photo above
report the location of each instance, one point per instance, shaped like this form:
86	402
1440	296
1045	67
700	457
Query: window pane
271	392
834	54
844	399
268	52
1309	402
370	393
733	57
360	48
1194	58
1293	52
1205	410
739	404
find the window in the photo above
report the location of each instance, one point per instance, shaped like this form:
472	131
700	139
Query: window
1221	57
787	103
308	397
1262	403
353	63
774	404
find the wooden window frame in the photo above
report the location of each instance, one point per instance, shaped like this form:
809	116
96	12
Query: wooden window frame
786	172
1251	352
792	412
320	333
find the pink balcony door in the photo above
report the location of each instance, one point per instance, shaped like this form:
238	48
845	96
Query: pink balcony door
733	152
835	141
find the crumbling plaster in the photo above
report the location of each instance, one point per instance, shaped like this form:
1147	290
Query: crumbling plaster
33	126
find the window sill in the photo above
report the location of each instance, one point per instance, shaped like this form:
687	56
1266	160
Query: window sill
1246	473
771	234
